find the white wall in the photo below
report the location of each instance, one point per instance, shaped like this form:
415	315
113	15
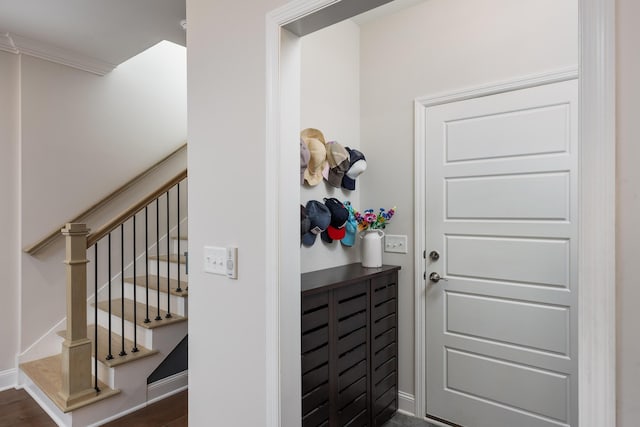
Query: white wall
434	47
226	112
82	136
226	107
330	101
628	213
9	66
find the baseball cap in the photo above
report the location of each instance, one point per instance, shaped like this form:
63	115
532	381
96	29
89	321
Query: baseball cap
319	219
357	165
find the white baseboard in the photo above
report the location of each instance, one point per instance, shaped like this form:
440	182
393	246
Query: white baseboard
406	403
44	402
8	379
167	386
155	391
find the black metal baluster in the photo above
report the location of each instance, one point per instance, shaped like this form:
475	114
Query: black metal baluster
168	315
95	318
179	288
109	356
122	352
158	317
135	287
186	265
146	259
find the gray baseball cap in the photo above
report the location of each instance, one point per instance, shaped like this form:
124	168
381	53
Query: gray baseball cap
319	218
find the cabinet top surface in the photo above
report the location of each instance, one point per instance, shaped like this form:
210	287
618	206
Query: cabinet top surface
342	275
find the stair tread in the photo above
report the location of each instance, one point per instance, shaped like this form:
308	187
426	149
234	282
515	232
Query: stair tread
171	258
116	309
116	346
46	373
153	284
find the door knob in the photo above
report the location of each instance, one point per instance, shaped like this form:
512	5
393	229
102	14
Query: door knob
435	277
434	255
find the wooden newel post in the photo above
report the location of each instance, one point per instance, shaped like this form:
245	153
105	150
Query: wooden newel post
76	348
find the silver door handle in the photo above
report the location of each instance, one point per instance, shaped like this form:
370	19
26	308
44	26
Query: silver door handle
435	277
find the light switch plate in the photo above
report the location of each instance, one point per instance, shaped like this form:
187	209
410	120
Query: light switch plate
215	259
395	243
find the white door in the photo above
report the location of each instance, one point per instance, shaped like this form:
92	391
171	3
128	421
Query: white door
501	204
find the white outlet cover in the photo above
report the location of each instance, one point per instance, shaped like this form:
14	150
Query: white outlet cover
395	243
215	260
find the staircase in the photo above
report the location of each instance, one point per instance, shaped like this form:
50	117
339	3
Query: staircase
138	318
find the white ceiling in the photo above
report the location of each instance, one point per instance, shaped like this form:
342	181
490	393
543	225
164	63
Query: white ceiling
110	31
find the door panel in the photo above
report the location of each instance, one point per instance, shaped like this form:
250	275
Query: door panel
524	197
507	134
501	203
539	326
492	379
510	259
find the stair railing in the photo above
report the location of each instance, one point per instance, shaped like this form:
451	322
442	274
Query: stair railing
79	242
36	247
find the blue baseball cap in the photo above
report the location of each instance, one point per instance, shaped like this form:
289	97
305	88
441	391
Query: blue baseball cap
351	228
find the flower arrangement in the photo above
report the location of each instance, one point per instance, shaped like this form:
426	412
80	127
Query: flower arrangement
368	220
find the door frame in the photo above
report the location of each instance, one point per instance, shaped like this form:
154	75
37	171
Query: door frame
421	105
597	389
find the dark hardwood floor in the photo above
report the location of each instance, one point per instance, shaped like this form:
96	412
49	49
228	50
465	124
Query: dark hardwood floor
17	408
169	412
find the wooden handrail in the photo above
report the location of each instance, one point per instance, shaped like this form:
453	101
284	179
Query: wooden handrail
131	211
55	234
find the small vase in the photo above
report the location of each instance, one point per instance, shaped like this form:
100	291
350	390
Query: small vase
372	248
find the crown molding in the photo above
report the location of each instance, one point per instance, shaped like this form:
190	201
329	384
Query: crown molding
6	44
21	45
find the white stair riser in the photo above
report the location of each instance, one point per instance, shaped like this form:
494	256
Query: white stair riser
183	246
105	373
178	304
145	336
166	338
153	265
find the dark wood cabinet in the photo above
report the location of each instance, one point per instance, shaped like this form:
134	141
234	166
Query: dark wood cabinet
349	346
